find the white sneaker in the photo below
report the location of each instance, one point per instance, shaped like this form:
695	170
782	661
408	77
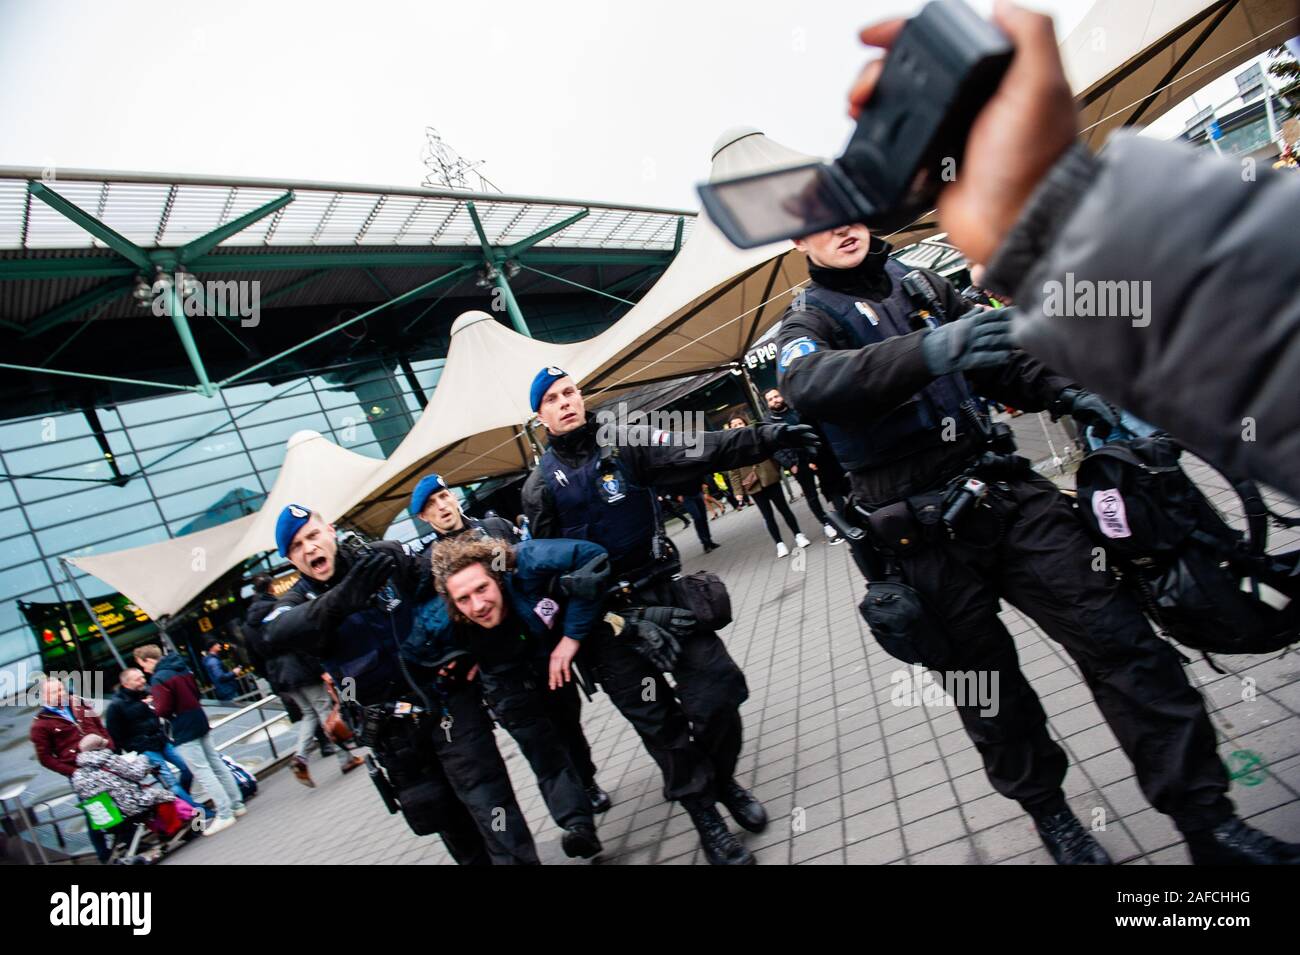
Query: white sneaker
802	541
832	535
241	811
781	550
218	825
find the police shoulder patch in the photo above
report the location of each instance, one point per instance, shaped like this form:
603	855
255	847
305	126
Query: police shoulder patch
796	349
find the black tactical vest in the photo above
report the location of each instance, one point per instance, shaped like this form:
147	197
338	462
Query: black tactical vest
882	436
596	502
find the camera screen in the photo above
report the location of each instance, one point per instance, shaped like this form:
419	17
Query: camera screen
784	204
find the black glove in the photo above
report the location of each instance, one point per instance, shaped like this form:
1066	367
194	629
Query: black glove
1087	409
356	588
656	633
588	582
979	339
798	437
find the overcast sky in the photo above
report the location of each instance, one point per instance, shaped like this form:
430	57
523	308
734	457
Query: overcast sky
614	101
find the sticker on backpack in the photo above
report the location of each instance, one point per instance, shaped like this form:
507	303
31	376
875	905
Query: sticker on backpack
1112	518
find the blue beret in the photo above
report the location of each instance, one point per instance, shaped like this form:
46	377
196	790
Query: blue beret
429	485
288	524
544	379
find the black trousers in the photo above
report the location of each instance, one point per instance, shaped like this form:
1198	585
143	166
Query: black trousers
519	697
808	483
811	482
769	497
457	787
1043	566
695	507
694	732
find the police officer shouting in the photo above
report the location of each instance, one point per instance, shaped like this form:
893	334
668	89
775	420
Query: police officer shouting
434	503
891	377
430	733
596	483
504	607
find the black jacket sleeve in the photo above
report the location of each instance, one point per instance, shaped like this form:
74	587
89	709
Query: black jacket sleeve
299	622
539	507
829	377
659	458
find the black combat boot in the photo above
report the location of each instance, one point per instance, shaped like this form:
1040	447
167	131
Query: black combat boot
600	801
1235	843
720	846
1067	840
744	808
580	841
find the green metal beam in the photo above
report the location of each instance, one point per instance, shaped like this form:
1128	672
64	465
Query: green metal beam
105	267
182	326
90	377
99	267
633	280
374	279
118	243
69	339
512	306
523	244
75	306
585	288
489	254
493	259
677	239
205	243
400	300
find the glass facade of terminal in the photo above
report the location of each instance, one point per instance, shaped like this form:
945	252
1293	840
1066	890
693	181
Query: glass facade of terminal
134	473
131	473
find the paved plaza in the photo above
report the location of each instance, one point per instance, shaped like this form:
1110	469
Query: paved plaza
847	774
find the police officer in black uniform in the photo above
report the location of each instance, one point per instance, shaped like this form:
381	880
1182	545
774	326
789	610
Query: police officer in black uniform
352	608
889	365
595	482
435	504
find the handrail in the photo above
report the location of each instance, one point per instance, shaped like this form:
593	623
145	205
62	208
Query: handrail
51	803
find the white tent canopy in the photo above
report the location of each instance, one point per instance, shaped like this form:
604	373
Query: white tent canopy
705	312
1129	61
163	578
473	426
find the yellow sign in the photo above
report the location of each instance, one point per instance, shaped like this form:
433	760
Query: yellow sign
205	624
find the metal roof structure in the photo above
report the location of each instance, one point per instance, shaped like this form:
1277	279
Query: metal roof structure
78	246
155	210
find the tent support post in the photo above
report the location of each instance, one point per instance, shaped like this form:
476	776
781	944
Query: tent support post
112	647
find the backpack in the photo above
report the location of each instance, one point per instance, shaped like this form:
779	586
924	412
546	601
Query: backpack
1203	583
247	781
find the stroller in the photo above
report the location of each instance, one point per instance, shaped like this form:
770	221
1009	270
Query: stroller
122	798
